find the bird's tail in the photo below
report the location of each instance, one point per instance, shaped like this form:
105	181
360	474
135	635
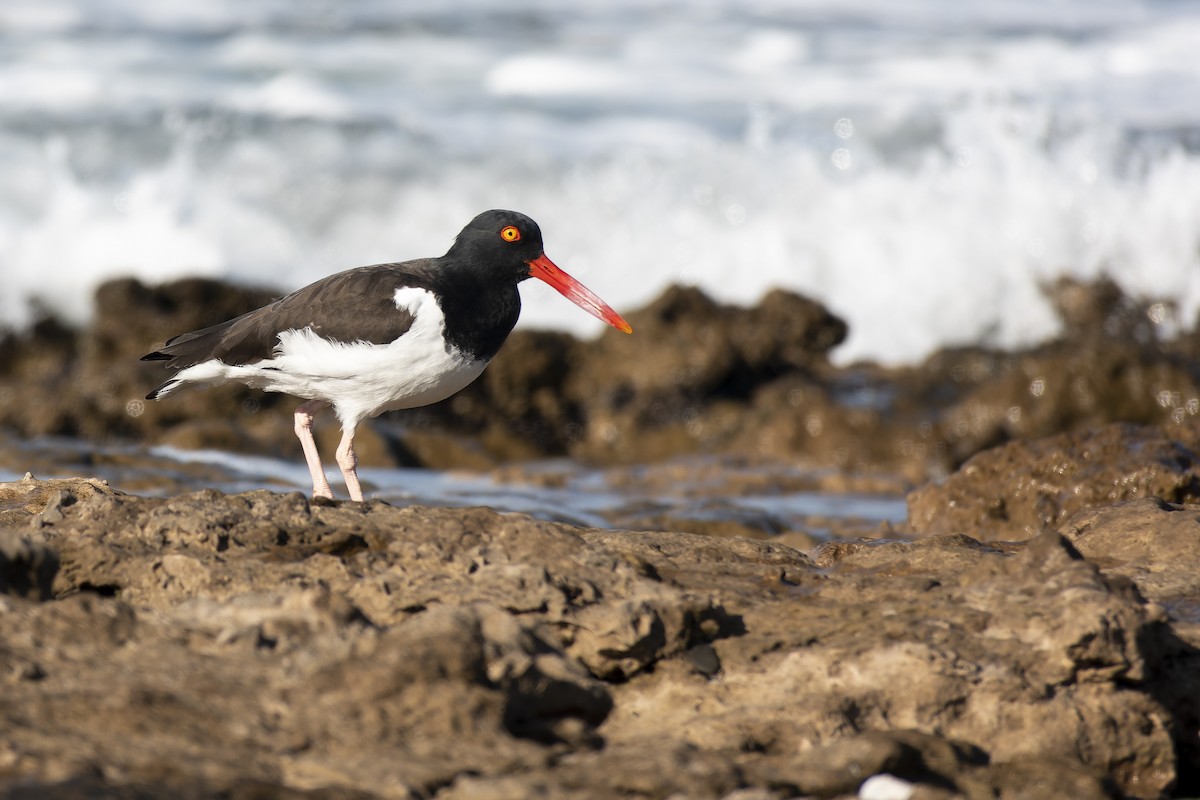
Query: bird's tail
213	372
190	348
166	389
192	354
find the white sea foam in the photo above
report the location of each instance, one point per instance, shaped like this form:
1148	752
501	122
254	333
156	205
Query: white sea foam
920	171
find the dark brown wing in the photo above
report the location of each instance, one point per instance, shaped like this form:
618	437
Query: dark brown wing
351	306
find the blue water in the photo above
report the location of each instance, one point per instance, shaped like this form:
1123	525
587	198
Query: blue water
920	167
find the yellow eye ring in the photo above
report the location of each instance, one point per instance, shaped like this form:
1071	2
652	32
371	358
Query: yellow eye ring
510	234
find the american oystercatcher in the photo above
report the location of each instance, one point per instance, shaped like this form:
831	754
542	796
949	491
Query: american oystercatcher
380	338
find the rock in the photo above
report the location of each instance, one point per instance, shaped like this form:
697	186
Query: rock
1151	541
132	318
1099	310
209	434
1157	545
1018	490
1041	777
653	398
22	501
845	766
26	569
1011	651
388	562
267	644
703	347
468	674
1114	362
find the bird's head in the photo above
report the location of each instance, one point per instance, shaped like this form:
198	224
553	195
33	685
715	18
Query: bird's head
512	242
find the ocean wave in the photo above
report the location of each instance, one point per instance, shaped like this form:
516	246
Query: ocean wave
922	174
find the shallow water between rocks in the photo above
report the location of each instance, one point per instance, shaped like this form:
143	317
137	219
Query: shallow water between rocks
721	496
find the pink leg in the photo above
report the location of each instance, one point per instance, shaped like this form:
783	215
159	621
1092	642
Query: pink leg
304	421
349	463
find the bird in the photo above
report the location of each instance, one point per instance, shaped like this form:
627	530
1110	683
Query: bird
382	337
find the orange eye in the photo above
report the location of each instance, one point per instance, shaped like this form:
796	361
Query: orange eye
510	234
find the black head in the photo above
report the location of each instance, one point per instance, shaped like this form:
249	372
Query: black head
499	240
502	246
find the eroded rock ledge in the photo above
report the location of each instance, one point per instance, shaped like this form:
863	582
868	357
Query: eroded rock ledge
267	645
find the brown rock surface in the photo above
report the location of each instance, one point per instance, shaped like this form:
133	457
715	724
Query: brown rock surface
1112	363
1156	545
1022	488
1151	541
267	645
21	501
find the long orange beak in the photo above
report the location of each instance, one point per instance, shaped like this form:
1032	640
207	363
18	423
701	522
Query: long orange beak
545	270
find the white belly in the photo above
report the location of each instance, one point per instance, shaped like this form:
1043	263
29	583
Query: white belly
359	379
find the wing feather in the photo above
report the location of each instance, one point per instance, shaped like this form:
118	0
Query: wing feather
351	306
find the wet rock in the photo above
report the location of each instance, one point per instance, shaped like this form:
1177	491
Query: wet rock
702	347
1099	309
426	447
691	383
1023	488
654	401
1114	361
209	434
1069	385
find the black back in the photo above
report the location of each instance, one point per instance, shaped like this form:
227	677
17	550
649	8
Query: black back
475	282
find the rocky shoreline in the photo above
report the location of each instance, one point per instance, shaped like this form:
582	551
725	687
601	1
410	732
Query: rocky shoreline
268	645
1031	631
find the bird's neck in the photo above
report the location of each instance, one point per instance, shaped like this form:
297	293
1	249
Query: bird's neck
479	314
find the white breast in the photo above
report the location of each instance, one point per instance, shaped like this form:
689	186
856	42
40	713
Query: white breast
361	379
